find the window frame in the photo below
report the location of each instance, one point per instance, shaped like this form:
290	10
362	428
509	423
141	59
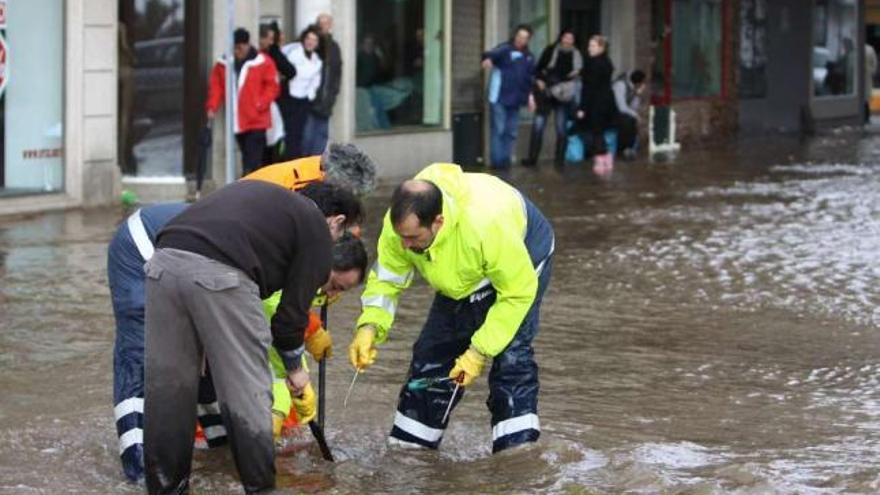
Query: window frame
667	98
446	107
66	135
858	47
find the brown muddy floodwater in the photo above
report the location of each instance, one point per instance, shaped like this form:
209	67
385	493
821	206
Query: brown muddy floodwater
711	327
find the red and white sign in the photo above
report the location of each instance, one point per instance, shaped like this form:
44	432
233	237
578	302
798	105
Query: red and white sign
4	72
2	14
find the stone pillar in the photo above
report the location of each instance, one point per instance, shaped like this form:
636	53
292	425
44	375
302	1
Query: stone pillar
246	14
99	173
344	14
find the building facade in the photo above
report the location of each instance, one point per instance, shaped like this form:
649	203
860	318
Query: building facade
99	96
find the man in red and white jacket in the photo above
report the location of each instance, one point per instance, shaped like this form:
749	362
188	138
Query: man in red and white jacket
257	82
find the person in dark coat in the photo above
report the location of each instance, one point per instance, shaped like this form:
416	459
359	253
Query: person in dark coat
597	111
316	131
557	81
271	40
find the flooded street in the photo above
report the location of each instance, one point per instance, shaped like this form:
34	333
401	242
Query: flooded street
711	327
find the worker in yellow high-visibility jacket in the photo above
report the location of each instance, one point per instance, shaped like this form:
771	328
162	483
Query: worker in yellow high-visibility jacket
487	251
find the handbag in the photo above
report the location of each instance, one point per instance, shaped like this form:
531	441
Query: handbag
563	92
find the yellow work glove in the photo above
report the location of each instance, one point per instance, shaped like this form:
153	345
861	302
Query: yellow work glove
469	366
361	352
277	423
306	405
320	344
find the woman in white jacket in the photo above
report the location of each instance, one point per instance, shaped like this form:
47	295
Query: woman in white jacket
302	88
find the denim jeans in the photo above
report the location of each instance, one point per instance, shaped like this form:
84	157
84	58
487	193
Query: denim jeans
560	116
315	135
561	113
505	124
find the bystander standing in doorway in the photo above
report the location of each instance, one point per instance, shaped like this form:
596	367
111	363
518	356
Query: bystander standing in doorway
316	131
557	84
303	88
510	87
257	83
597	111
271	40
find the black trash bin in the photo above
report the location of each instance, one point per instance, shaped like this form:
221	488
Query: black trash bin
467	139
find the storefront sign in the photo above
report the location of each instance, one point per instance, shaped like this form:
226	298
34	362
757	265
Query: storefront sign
4	75
2	14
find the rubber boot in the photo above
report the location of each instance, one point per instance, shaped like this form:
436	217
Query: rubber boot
534	150
561	146
609	161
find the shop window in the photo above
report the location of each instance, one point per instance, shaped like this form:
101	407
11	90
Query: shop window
399	65
696	48
834	49
151	87
31	97
753	49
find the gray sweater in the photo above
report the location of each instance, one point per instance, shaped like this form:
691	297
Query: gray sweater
628	102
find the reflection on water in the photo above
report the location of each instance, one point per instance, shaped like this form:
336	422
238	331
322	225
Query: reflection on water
711	328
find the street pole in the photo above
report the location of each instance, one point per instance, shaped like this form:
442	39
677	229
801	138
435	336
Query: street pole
231	96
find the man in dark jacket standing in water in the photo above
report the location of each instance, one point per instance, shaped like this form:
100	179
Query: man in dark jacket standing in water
213	264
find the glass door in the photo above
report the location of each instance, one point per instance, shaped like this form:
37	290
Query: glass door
583	17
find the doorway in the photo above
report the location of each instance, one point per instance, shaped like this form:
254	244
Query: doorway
584	17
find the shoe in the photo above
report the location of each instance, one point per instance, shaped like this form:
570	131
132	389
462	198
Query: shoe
609	161
528	162
559	155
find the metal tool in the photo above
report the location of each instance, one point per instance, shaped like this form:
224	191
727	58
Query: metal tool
351	387
452	399
317	425
318	433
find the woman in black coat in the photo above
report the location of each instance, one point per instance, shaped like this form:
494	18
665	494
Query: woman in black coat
597	110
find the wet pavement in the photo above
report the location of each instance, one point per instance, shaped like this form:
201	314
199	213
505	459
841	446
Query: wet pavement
711	327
